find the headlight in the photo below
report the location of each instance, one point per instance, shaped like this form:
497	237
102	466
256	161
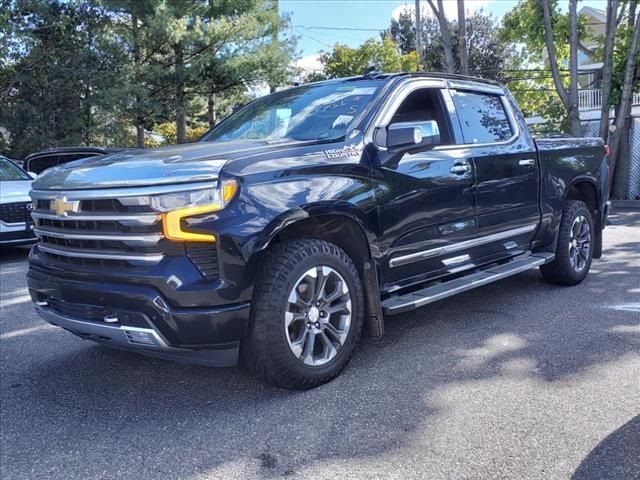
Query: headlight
176	206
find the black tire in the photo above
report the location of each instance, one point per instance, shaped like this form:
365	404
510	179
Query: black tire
266	351
561	271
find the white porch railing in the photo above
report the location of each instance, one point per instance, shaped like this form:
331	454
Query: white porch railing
591	99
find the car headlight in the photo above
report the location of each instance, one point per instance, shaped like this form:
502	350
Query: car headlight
179	205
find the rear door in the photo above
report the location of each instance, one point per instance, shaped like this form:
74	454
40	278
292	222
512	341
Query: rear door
507	172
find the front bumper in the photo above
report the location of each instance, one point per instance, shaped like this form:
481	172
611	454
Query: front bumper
146	341
16	233
139	318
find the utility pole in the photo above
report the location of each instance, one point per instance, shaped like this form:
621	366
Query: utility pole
418	35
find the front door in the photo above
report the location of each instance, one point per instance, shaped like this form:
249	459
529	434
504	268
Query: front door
427	204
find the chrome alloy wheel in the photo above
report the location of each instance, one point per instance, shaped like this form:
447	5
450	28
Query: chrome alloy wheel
579	243
318	315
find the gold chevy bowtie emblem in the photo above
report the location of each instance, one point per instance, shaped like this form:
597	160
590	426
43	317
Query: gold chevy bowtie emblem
62	207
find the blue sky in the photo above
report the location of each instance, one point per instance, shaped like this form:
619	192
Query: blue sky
367	15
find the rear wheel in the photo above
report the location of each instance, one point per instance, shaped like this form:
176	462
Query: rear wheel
574	251
306	317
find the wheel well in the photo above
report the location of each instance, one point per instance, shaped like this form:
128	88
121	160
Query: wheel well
586	192
347	234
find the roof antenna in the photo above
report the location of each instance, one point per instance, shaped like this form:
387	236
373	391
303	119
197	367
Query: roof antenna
372	70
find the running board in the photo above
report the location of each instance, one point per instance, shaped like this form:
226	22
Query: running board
413	300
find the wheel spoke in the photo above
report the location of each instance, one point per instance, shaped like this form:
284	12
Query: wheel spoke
298	345
340	307
290	317
339	335
323	276
310	343
294	299
328	350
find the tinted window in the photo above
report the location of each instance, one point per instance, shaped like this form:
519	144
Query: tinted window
39	165
482	117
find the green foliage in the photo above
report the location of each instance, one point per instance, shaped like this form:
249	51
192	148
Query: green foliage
489	54
168	131
345	61
76	72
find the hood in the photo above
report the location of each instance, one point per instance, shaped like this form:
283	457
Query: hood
174	164
15	191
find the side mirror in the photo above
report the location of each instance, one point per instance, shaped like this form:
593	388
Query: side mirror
409	137
33	175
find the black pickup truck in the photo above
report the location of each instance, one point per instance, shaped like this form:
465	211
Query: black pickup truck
300	221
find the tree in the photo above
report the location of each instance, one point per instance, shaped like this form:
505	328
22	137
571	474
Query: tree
628	81
462	39
439	13
569	98
489	56
610	36
49	95
345	61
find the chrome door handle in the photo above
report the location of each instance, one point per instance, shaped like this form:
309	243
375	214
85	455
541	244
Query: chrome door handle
460	168
529	162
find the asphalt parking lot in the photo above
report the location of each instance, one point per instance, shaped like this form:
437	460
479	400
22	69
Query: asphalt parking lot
519	379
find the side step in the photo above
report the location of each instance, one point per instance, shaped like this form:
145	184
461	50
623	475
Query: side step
413	300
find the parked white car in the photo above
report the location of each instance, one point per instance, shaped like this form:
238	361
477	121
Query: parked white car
16	226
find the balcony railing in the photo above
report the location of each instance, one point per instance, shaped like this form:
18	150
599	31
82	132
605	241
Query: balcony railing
591	99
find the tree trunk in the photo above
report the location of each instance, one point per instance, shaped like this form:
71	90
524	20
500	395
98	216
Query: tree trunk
575	127
569	99
181	113
462	39
211	112
419	35
620	177
623	112
139	110
444	32
610	36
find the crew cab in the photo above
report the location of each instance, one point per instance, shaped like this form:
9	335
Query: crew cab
306	217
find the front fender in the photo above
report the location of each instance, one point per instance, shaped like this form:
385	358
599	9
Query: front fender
284	203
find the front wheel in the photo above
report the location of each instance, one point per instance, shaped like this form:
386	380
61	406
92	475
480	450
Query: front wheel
306	316
574	251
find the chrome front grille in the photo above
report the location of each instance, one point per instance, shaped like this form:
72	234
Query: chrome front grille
100	232
114	231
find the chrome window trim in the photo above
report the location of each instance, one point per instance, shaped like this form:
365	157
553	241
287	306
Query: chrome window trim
151	238
117	192
475	86
476	242
138	219
147	258
407	86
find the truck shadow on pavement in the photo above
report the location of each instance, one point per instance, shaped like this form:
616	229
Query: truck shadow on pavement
91	405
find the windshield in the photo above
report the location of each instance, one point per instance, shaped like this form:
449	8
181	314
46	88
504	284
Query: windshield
9	171
309	112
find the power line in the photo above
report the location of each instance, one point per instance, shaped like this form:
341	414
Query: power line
353	29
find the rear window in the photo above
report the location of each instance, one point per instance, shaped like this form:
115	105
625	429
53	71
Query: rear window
39	165
482	117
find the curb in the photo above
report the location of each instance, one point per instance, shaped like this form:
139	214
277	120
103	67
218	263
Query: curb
625	204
